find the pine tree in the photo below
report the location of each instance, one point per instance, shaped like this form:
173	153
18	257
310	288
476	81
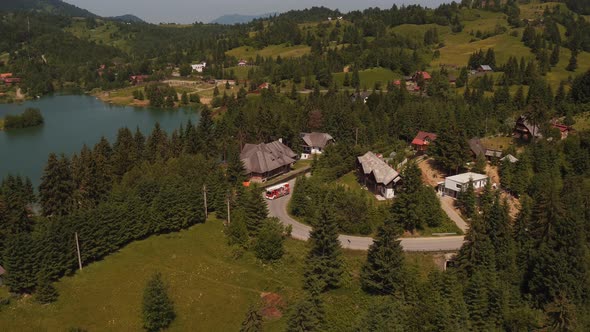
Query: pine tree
467	200
252	322
123	158
383	272
57	187
157	144
158	310
254	206
45	292
184	98
20	263
554	60
307	315
269	241
573	62
324	260
450	149
356	80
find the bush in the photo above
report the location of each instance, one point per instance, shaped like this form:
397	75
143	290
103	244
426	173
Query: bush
46	293
158	310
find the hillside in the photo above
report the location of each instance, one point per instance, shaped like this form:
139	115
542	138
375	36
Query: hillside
127	18
238	18
56	7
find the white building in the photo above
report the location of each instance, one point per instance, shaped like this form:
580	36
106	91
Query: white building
455	184
315	143
198	67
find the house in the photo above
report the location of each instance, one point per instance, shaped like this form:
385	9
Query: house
377	175
478	148
242	63
5	75
267	160
425	75
2	272
264	86
510	158
484	69
525	130
455	184
363	95
12	80
315	143
199	67
563	129
138	79
423	140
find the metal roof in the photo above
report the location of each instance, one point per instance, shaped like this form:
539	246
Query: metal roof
466	177
319	140
262	158
382	172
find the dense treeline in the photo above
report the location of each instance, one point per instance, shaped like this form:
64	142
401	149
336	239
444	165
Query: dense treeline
31	117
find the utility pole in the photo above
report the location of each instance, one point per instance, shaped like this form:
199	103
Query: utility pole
78	249
205	199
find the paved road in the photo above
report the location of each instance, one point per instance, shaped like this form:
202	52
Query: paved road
278	208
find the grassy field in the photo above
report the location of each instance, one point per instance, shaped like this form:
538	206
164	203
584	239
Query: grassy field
240	72
247	52
211	289
370	76
582	122
107	34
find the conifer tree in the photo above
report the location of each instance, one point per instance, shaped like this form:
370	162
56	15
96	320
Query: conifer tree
139	152
383	272
123	152
57	187
45	292
255	208
157	144
467	200
20	263
573	62
450	149
158	309
269	241
307	315
324	260
252	322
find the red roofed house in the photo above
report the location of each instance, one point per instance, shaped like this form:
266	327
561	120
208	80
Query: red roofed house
563	129
5	75
423	140
138	79
11	80
425	75
263	86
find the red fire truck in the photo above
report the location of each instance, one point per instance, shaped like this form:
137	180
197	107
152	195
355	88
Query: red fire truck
277	191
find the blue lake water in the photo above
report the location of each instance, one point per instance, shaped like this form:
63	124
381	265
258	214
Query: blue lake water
71	122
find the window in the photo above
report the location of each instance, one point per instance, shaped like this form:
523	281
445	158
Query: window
458	186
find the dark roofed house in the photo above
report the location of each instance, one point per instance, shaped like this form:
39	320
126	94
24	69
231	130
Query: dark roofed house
377	175
267	160
423	140
525	129
425	75
315	143
363	95
138	79
478	148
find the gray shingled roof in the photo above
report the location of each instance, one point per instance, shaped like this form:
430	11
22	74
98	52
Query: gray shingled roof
319	140
510	158
382	172
262	158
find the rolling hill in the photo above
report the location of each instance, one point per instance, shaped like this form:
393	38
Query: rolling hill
238	19
56	7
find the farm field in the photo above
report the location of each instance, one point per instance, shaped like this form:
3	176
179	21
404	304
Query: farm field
370	76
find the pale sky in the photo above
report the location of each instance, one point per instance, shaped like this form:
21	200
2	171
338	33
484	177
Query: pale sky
189	11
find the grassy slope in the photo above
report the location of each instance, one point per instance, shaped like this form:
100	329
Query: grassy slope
104	34
246	52
210	289
370	76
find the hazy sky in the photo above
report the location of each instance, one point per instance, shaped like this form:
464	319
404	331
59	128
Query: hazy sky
189	11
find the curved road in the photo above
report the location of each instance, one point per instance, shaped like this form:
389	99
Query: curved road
278	208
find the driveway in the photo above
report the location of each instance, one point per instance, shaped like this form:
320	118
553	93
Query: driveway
278	208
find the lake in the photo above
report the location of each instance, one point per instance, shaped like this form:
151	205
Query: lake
71	122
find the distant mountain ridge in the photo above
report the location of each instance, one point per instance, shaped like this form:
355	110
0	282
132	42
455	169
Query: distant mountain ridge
238	18
56	7
127	18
